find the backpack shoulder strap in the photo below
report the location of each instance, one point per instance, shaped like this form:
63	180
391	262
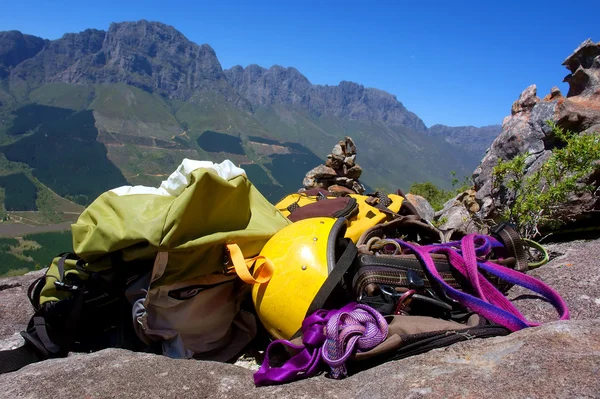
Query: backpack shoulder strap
14	359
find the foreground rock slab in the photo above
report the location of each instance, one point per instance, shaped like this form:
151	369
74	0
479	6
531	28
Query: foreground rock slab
560	359
575	274
15	309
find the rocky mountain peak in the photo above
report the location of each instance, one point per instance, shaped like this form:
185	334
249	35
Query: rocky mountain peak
276	85
149	55
16	47
287	86
158	58
157	41
142	31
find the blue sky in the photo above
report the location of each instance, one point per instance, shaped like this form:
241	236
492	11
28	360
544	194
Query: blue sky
450	62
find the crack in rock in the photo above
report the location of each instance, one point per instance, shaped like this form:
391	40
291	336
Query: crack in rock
9	286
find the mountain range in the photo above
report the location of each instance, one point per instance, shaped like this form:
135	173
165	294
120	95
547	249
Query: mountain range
98	109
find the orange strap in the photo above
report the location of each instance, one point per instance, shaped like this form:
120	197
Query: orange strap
242	266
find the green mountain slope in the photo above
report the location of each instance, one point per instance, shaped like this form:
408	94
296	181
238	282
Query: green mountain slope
94	110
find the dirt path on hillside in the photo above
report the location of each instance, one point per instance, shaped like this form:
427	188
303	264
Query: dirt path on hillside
20	229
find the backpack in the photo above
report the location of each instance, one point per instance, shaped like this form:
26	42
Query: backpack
163	270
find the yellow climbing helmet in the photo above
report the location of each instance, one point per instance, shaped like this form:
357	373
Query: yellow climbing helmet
304	254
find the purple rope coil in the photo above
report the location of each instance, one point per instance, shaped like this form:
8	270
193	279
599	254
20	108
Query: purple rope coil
362	328
329	337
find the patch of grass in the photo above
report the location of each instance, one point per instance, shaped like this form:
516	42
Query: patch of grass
263	140
32	252
63	95
15	272
437	196
124	102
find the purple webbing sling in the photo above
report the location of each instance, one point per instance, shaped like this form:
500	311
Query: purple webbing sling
328	336
466	257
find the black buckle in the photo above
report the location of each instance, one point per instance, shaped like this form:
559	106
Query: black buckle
495	230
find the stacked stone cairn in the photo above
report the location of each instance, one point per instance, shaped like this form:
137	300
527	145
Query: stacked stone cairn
340	172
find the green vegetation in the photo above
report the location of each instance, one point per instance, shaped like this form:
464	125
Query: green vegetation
32	252
31	116
538	196
256	174
51	244
436	196
263	140
123	102
55	140
7	243
20	193
63	95
289	169
66	157
10	262
261	180
219	142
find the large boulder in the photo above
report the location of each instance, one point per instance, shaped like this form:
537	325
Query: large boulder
525	131
423	206
456	216
558	359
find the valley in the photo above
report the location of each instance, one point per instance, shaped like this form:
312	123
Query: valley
95	110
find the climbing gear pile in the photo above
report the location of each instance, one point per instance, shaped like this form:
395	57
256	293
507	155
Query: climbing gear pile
342	282
430	292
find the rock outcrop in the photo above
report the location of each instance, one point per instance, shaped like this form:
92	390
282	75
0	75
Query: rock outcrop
559	359
457	214
422	206
525	131
340	173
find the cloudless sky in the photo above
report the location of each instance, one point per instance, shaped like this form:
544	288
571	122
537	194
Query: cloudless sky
450	62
